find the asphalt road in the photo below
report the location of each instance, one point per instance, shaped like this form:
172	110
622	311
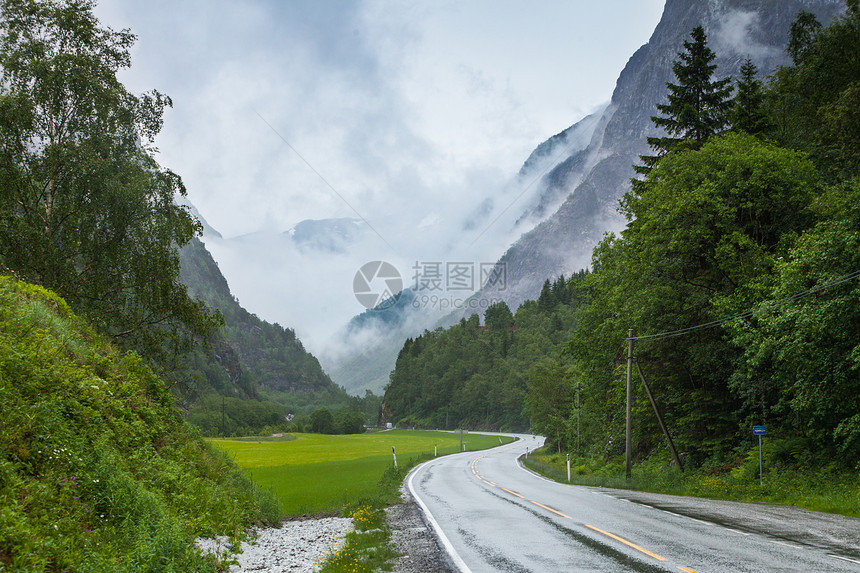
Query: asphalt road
491	514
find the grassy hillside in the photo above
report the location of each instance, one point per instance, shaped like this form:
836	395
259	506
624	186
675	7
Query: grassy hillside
98	469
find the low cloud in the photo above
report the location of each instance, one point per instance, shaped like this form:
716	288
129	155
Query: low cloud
736	35
414	118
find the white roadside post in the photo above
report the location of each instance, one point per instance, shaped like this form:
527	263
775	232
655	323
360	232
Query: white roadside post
393	453
568	467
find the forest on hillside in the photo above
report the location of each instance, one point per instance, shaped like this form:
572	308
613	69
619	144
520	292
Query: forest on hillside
737	273
477	376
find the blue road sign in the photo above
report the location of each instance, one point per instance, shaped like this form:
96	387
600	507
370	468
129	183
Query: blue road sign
759	430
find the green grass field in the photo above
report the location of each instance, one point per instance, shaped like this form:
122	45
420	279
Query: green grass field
313	473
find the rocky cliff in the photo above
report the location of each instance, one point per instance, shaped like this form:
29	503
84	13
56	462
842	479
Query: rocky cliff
594	178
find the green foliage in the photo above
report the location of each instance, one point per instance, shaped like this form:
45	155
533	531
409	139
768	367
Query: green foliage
697	105
801	42
550	402
84	208
800	363
748	113
367	548
703	226
823	488
477	377
761	230
812	105
98	470
322	422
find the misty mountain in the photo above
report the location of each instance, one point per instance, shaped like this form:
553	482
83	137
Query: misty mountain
372	341
592	178
332	235
250	352
579	174
320	236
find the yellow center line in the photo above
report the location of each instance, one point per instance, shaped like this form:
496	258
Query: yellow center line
550	509
513	493
625	542
488	482
685	569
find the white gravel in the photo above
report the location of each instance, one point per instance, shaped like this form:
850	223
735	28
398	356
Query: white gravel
294	547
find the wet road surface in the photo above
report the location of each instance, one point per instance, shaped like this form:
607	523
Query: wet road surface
491	514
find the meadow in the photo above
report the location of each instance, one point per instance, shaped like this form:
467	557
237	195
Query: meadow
314	474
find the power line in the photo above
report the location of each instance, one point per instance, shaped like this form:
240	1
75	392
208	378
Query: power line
748	313
324	180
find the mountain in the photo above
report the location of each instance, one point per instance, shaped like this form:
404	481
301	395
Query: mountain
372	341
270	353
593	178
253	372
327	235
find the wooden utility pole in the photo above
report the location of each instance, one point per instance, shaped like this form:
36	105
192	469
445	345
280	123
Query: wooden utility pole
628	441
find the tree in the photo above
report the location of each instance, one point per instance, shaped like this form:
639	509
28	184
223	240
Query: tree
498	316
550	402
85	210
697	106
547	300
349	420
747	111
807	349
815	101
708	229
801	40
322	421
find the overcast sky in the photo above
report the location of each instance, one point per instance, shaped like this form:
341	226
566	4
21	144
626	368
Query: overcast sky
408	114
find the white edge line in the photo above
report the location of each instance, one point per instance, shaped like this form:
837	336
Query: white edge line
844	558
455	557
534	473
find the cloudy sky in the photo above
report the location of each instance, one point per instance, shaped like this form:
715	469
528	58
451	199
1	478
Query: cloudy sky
414	116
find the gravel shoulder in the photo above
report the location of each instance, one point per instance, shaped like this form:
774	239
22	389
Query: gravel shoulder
297	546
415	540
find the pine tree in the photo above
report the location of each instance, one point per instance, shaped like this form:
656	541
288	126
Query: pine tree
698	105
801	42
748	107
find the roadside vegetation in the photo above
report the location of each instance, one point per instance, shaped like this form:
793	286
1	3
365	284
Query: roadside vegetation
352	475
829	489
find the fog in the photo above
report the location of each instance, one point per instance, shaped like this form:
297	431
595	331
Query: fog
413	119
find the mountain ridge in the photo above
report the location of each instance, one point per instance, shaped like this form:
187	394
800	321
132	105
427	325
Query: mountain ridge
562	243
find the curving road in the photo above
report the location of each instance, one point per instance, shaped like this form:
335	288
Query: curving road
491	514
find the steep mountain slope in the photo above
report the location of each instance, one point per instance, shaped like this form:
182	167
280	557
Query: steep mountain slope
272	355
594	178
